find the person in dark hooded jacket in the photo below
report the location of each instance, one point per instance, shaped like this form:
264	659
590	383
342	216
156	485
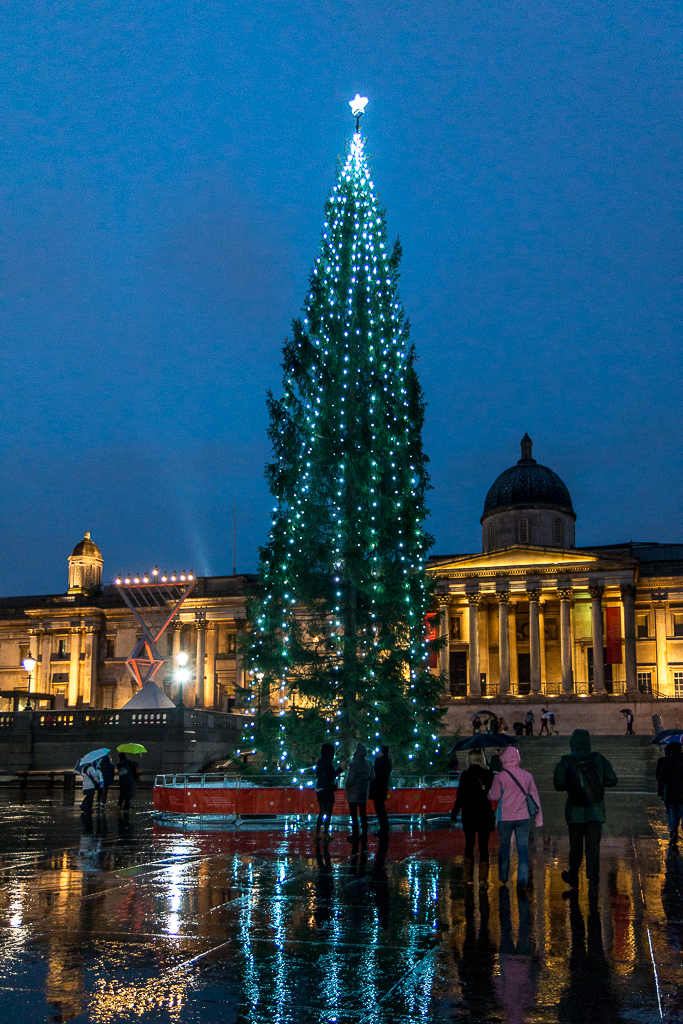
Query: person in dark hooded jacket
358	779
477	814
325	787
379	789
583	775
670	785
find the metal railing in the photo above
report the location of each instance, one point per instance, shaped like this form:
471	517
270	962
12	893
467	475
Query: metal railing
285	780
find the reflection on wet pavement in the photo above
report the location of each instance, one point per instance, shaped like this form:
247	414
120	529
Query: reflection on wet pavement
123	919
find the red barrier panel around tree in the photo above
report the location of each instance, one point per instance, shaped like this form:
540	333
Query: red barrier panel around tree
280	801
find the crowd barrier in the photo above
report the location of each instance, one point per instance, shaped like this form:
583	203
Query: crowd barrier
233	797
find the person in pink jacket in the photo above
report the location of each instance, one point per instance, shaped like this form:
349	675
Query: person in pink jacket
510	788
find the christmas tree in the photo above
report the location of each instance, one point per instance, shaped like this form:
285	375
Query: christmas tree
338	648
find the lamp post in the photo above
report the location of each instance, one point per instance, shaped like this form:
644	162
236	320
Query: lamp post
183	674
29	664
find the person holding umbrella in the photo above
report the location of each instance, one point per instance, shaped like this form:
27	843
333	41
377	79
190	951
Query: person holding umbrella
128	773
91	783
107	771
477	815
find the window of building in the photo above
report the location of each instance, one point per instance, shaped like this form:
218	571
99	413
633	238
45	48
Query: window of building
108	697
458	673
111	647
492	536
456	627
642	626
61	647
645	682
524	530
678	684
559	533
678	623
232	639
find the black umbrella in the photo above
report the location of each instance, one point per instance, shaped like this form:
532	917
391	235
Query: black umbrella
625	711
477	714
478	742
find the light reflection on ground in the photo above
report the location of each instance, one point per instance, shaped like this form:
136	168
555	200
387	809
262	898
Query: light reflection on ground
133	921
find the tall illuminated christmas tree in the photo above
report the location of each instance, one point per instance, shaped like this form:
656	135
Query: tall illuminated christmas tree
338	647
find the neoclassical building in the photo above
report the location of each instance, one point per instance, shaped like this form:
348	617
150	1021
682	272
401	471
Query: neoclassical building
81	639
533	614
530	613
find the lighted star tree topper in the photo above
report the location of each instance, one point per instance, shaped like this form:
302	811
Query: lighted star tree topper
337	649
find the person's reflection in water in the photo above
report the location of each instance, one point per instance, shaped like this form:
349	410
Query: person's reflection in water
477	960
517	982
358	863
590	976
672	905
324	886
379	883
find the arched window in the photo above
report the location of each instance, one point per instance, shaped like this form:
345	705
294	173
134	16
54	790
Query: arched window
559	533
492	536
524	530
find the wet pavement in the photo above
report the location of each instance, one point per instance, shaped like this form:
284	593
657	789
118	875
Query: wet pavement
130	920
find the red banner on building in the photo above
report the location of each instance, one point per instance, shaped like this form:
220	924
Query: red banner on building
431	634
613	634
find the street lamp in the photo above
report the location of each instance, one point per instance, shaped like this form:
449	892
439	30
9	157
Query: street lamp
183	674
29	664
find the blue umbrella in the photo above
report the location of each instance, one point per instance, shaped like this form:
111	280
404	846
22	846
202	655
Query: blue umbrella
478	742
668	736
94	755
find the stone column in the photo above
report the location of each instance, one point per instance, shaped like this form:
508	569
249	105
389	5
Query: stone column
199	667
44	678
541	634
503	597
534	594
512	639
445	631
628	598
565	595
239	674
90	665
473	601
596	593
659	601
210	679
74	663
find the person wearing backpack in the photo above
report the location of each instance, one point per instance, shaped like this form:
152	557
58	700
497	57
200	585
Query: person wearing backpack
518	801
529	720
584	775
670	785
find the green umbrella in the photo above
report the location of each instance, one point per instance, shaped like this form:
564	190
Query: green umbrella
131	748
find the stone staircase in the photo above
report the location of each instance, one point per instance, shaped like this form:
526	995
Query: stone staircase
633	758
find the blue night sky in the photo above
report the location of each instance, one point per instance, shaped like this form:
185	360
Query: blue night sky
164	169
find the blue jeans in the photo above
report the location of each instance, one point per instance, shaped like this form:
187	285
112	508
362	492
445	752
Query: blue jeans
674	814
521	829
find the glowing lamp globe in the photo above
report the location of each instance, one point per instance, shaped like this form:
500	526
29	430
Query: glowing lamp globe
181	657
29	663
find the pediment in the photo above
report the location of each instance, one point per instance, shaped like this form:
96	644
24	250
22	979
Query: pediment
515	555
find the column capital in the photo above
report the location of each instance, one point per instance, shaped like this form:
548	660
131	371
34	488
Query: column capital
596	590
201	625
210	626
36	632
628	590
177	623
444	600
533	593
503	596
75	630
565	593
200	616
474	597
91	629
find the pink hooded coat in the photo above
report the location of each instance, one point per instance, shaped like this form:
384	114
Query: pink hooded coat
512	801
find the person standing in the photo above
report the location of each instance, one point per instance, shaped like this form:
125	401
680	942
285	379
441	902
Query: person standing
107	771
358	779
476	725
379	789
670	785
584	775
325	787
545	722
529	723
477	814
128	776
629	723
517	795
91	783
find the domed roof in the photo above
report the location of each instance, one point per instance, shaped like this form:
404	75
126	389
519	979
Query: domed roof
86	547
528	485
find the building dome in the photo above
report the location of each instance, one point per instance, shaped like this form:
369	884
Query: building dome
85	567
540	494
86	547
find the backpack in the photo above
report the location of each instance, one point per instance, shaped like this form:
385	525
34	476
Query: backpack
584	782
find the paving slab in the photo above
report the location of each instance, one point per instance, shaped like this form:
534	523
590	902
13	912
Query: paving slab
122	918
